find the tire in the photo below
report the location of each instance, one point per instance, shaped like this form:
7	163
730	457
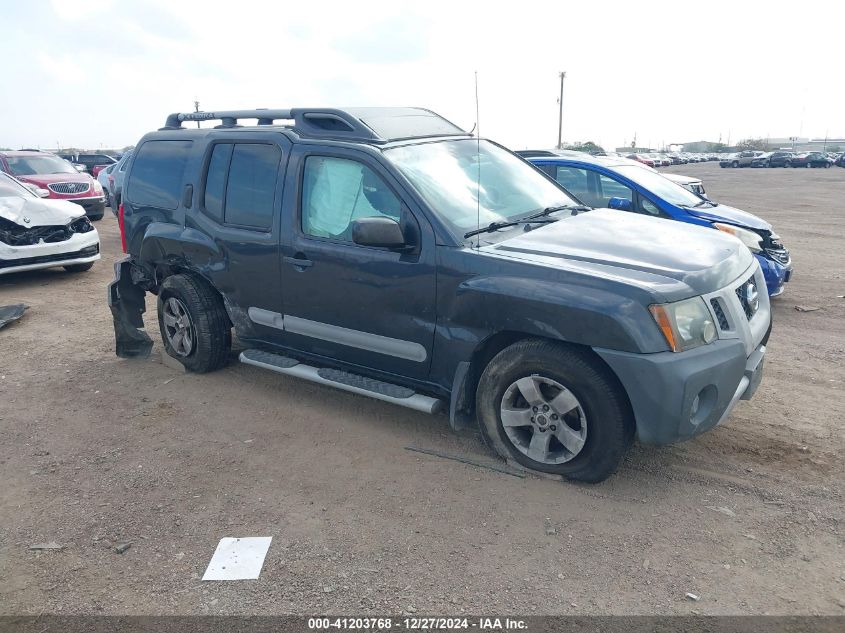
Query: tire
78	268
598	430
735	164
787	163
107	197
206	331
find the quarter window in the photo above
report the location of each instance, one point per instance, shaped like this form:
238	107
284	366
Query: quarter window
337	191
156	177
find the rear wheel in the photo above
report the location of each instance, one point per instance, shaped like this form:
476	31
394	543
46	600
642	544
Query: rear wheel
78	268
788	163
735	164
193	322
554	409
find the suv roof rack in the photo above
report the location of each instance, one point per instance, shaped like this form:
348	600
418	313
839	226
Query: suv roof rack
374	125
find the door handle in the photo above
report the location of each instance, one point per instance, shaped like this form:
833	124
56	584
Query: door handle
298	262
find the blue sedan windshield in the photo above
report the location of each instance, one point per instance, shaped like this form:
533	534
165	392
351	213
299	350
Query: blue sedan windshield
658	185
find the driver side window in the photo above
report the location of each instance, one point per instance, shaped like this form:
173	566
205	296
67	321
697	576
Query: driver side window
337	191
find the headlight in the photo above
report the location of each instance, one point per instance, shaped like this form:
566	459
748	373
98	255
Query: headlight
685	324
753	241
98	188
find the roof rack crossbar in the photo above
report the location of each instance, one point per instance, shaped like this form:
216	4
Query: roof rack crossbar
328	122
228	118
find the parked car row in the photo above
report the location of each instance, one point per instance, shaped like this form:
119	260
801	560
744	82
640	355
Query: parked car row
782	158
40	233
55	178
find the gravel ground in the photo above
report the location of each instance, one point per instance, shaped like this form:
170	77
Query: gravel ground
96	451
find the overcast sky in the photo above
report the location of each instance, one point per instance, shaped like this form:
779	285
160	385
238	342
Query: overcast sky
90	73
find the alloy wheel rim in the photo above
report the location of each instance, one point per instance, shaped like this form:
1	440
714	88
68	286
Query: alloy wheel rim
178	327
543	420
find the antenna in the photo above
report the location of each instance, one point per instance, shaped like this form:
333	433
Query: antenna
477	128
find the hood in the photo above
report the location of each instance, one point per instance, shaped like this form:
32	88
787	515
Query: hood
40	211
671	258
46	179
724	213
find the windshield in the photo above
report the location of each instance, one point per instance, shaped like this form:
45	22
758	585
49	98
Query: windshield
40	164
660	186
446	174
9	187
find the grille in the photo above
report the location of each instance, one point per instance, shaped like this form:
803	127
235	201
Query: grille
743	298
69	187
16	235
720	314
780	255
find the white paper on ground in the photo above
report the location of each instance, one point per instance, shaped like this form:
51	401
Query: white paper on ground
238	558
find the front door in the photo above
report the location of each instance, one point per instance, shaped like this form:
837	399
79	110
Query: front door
368	306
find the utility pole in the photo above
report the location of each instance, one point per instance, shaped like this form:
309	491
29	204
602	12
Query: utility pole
824	149
560	113
197	108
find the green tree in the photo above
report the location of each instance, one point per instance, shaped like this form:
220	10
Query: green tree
588	147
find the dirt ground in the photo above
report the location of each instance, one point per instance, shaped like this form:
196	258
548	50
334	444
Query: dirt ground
96	451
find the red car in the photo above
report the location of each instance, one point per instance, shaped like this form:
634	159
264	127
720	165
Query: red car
645	160
57	177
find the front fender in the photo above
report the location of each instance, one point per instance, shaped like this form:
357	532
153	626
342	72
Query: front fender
575	314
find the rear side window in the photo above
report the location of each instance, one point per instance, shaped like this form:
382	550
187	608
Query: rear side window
240	184
156	176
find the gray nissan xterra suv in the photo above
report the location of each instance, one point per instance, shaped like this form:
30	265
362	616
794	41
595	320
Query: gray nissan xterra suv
387	252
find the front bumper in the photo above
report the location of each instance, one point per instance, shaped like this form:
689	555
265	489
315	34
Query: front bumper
775	273
81	248
676	396
94	207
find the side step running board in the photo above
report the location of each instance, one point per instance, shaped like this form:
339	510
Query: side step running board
339	379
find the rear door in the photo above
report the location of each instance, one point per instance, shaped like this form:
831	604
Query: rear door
368	306
237	210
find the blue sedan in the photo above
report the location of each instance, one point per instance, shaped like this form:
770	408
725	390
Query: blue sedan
624	185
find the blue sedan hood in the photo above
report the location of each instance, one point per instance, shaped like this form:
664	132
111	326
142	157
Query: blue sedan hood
724	213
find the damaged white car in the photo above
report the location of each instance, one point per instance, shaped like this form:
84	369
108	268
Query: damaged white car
37	233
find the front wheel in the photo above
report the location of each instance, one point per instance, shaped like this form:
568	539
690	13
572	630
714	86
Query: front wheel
554	409
735	164
787	164
193	322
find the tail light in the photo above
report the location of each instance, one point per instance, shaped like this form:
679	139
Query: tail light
122	227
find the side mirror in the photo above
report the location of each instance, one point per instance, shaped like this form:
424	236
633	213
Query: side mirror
378	231
80	168
620	204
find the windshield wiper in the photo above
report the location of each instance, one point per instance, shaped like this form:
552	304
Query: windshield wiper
495	226
535	218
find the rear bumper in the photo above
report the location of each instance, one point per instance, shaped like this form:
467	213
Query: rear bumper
127	305
675	397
